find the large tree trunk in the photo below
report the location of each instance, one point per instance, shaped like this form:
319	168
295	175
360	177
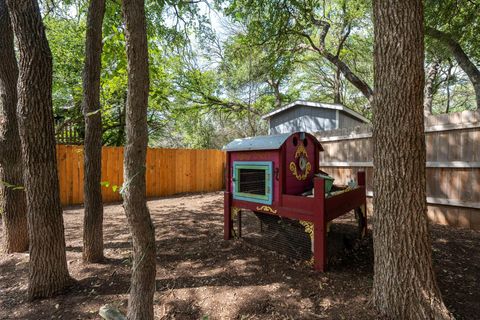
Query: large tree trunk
404	285
142	288
93	219
12	196
48	273
463	61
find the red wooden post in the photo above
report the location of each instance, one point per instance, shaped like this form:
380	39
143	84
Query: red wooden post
227	216
361	178
319	227
227	202
362	183
239	219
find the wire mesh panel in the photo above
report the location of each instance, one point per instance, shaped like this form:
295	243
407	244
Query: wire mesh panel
293	238
252	181
278	234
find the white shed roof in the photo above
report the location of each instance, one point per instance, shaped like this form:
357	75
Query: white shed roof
317	105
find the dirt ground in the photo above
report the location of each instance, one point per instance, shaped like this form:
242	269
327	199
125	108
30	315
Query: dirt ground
201	276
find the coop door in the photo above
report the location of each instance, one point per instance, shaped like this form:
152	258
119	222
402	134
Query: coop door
252	181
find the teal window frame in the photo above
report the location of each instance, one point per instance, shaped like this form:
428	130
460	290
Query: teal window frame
257	165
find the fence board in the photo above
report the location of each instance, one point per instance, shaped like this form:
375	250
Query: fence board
453	171
168	171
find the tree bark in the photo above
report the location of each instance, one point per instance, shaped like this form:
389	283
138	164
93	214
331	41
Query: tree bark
404	285
337	87
13	209
337	82
93	219
463	61
447	84
350	75
48	273
142	289
275	85
432	72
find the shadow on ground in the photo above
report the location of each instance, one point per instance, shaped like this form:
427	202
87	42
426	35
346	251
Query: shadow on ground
199	274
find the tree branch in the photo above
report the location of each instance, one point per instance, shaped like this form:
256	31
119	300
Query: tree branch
463	60
342	66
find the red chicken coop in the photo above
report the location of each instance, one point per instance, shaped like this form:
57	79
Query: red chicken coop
279	175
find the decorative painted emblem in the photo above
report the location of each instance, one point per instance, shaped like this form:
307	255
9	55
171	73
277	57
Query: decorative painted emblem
300	150
267	209
308	228
303	163
235	212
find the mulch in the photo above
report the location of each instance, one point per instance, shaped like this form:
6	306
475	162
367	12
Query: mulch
201	276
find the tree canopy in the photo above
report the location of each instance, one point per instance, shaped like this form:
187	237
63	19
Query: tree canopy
217	66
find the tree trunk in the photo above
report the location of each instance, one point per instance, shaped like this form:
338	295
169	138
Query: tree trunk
463	61
447	83
12	196
48	273
404	285
428	92
356	81
142	288
93	219
120	138
350	75
276	92
337	87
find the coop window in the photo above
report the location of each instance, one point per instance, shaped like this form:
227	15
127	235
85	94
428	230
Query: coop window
253	181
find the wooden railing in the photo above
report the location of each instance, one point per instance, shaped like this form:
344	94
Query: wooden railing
168	171
68	133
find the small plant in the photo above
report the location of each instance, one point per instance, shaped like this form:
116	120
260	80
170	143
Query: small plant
12	186
106	184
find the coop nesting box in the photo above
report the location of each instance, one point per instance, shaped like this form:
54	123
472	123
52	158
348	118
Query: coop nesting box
265	167
275	174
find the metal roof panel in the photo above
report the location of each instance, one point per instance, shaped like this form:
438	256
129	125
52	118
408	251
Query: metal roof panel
272	142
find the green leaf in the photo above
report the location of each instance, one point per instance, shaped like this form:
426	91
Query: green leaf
105	184
12	186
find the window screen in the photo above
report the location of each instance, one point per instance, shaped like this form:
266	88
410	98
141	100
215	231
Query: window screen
252	181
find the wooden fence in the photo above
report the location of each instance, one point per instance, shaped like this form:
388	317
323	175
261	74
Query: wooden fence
453	167
453	164
169	171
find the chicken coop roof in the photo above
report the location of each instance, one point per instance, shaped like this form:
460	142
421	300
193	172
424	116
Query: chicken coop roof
272	142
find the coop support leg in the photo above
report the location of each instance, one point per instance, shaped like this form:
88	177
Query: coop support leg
361	177
319	227
363	209
227	216
239	220
319	246
361	216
